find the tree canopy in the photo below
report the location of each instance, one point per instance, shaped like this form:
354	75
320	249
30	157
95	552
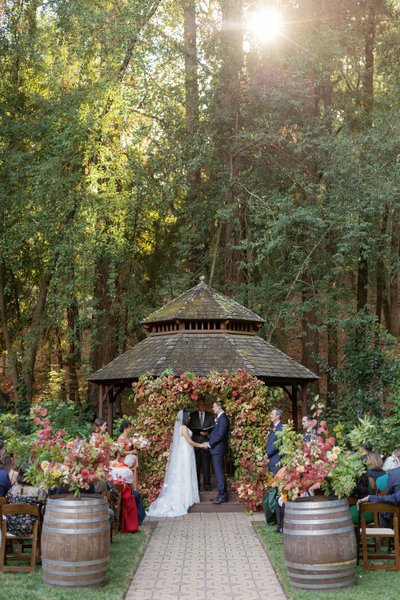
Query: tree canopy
144	143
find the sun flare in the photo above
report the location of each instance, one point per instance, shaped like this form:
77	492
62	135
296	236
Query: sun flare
266	25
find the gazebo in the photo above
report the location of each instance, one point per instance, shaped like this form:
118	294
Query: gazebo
202	331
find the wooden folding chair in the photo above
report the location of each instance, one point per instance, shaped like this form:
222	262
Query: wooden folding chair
378	534
9	539
353	502
119	487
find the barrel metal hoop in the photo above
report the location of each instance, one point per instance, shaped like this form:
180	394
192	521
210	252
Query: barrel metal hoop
316	586
304	533
311	505
78	510
323	566
88	583
75	502
314	521
53	573
84	563
348	574
57	530
320	511
74	521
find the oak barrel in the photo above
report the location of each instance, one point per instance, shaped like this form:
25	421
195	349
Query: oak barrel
75	542
320	544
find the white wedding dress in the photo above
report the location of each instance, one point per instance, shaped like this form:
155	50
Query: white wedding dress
180	488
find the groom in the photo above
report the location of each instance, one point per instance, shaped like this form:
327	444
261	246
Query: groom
218	445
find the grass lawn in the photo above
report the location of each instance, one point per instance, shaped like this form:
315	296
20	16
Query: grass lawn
369	584
126	551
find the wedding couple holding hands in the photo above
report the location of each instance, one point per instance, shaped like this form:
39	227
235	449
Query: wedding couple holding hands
181	484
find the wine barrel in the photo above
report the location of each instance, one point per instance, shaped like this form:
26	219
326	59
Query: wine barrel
320	544
75	542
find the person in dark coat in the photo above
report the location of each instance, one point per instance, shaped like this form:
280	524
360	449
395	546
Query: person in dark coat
218	445
201	423
272	456
5	483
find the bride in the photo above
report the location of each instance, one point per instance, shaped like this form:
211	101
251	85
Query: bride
180	488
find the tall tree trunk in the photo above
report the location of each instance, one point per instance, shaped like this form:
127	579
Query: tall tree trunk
381	267
193	174
233	230
12	358
104	341
74	355
392	291
368	104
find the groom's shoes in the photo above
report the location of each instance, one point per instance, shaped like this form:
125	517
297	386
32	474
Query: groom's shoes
218	501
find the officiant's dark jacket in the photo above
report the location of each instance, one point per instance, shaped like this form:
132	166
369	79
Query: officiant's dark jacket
392	495
195	425
218	440
271	450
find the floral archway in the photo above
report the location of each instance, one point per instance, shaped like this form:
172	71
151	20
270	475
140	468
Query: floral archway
247	402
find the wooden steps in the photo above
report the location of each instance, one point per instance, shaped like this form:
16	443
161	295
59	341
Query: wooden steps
206	506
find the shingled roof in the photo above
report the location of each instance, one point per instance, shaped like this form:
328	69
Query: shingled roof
203	302
203	331
202	353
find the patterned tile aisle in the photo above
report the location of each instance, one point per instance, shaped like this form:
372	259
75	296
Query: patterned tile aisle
205	557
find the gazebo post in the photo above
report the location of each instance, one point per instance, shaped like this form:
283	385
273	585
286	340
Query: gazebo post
110	411
294	407
102	394
303	396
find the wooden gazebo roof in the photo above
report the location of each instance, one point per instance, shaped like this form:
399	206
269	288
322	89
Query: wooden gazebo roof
202	331
202	353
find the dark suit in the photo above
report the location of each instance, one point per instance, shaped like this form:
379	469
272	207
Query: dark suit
392	495
218	443
203	457
272	451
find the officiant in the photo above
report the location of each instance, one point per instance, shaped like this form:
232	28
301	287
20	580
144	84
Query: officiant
201	423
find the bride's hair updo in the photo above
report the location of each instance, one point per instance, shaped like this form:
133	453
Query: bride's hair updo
185	418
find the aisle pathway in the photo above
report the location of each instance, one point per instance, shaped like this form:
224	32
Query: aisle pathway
205	557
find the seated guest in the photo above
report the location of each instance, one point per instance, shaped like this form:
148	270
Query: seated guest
374	464
308	425
126	473
391	462
365	450
392	495
23	493
5	482
10	467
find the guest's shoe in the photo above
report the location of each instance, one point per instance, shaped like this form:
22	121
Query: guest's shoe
213	499
219	500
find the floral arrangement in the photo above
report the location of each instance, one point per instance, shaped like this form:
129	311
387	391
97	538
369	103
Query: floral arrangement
319	464
76	464
247	402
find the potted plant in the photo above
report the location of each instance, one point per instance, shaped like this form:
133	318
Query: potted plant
315	479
